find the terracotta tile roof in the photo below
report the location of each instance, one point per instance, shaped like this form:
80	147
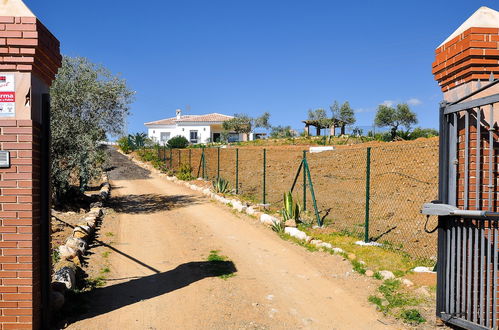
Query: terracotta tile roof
209	118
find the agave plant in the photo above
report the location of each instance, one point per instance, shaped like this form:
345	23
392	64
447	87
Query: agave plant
221	186
278	226
291	209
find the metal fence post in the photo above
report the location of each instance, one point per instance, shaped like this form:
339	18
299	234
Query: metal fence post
164	153
218	162
264	176
304	183
204	164
368	194
179	158
237	171
190	157
171	158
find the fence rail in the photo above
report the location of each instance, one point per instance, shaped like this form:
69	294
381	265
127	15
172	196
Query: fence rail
373	193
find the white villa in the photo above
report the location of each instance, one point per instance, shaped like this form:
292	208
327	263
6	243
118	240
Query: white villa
195	128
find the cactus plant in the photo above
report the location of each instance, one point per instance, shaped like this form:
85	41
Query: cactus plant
221	186
291	209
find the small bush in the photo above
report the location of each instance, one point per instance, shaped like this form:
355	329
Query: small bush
124	144
185	172
177	142
412	316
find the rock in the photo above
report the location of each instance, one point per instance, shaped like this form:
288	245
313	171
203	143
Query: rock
296	233
238	206
316	242
96	205
82	231
387	275
338	250
206	191
97	211
56	300
76	244
268	219
250	210
423	291
352	256
385	303
407	283
326	245
290	223
67	276
423	270
66	252
369	273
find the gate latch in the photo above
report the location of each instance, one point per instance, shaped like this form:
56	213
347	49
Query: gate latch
438	209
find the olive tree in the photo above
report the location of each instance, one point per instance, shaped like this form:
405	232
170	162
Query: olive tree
388	116
244	124
88	102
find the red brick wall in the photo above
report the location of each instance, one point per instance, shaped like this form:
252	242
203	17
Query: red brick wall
26	45
473	55
19	226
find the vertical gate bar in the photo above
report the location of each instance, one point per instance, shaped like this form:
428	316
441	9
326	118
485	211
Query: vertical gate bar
237	171
179	158
478	156
190	157
458	267
488	263
453	161
447	267
452	292
491	155
470	274
466	157
476	229
494	286
171	158
482	270
464	249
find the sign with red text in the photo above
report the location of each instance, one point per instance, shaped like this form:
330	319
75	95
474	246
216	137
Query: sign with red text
7	95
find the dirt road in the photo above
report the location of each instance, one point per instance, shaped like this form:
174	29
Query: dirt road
160	279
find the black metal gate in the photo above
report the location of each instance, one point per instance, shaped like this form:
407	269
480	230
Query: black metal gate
468	234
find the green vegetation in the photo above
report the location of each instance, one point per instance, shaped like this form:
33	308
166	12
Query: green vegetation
291	210
388	116
392	298
278	227
87	103
185	173
177	142
282	132
220	265
105	270
378	258
109	234
242	123
106	254
92	283
308	246
124	144
56	256
221	186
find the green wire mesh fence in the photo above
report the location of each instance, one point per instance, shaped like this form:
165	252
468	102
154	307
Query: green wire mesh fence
376	198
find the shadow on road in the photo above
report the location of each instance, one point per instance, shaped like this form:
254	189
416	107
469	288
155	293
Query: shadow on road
116	296
149	203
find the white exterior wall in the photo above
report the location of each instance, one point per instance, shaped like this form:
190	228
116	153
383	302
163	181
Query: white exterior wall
204	131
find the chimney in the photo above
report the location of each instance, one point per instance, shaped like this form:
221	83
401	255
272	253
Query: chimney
469	57
179	113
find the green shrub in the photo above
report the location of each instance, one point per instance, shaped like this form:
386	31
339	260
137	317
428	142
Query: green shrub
185	172
412	316
124	144
177	142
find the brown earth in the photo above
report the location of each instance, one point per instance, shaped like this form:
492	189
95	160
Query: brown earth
404	175
162	234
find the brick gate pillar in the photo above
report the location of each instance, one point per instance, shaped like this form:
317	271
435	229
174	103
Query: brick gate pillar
29	60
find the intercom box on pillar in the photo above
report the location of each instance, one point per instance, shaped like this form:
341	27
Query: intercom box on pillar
29	60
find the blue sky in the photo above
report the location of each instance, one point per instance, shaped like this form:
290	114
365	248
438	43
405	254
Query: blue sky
281	56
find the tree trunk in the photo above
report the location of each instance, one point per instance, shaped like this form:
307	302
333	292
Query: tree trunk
343	129
333	130
318	130
393	133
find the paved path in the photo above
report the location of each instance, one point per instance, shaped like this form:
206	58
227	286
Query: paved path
160	278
